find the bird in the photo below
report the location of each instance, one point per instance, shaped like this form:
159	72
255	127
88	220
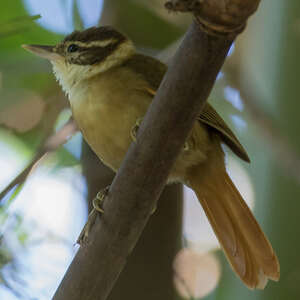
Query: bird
110	85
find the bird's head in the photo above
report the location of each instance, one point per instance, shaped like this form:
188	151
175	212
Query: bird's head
83	54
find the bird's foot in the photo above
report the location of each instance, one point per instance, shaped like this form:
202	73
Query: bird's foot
97	208
186	146
99	199
135	128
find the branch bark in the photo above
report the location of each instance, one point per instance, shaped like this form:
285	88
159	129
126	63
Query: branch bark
148	274
145	169
159	243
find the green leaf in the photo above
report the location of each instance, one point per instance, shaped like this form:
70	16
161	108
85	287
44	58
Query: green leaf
16	25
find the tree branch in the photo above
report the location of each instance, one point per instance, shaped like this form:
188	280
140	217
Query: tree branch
148	273
160	241
145	169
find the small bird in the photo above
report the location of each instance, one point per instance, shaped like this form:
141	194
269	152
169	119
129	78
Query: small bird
110	86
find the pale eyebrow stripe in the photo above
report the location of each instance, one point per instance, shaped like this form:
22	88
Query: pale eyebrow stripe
103	43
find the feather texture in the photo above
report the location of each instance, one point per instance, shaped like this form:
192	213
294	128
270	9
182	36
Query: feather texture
152	70
244	243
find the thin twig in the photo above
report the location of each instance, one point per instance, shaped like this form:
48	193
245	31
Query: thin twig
51	144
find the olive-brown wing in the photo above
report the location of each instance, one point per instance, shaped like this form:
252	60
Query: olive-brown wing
153	72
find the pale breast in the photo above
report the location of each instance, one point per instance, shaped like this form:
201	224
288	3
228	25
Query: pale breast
105	109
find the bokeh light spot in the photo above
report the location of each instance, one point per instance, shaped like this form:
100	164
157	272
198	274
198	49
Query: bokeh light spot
196	275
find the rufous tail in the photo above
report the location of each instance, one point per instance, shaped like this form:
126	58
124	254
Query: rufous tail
244	243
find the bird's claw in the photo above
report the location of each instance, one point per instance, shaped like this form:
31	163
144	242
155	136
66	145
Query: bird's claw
99	199
135	128
97	208
186	146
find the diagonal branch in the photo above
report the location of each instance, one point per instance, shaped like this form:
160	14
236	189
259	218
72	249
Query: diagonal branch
145	169
51	143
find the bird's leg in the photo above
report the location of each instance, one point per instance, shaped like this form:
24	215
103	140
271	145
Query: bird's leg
135	128
97	208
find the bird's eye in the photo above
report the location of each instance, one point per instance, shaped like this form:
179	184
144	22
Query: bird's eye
73	48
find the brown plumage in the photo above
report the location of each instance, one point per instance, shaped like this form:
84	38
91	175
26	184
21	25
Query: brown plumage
246	247
110	86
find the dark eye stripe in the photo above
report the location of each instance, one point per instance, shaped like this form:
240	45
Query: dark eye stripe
73	48
93	55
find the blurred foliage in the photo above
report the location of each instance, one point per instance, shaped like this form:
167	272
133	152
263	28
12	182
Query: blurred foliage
155	33
22	79
17	25
268	57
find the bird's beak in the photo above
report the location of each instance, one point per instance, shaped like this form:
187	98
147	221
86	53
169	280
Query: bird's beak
43	51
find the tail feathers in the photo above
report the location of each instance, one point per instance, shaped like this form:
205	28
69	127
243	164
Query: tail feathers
245	245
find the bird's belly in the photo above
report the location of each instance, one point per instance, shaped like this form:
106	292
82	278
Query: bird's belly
106	125
107	129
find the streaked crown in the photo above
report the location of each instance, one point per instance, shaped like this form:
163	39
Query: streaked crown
90	46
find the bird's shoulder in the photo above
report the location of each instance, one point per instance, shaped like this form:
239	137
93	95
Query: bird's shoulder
150	68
